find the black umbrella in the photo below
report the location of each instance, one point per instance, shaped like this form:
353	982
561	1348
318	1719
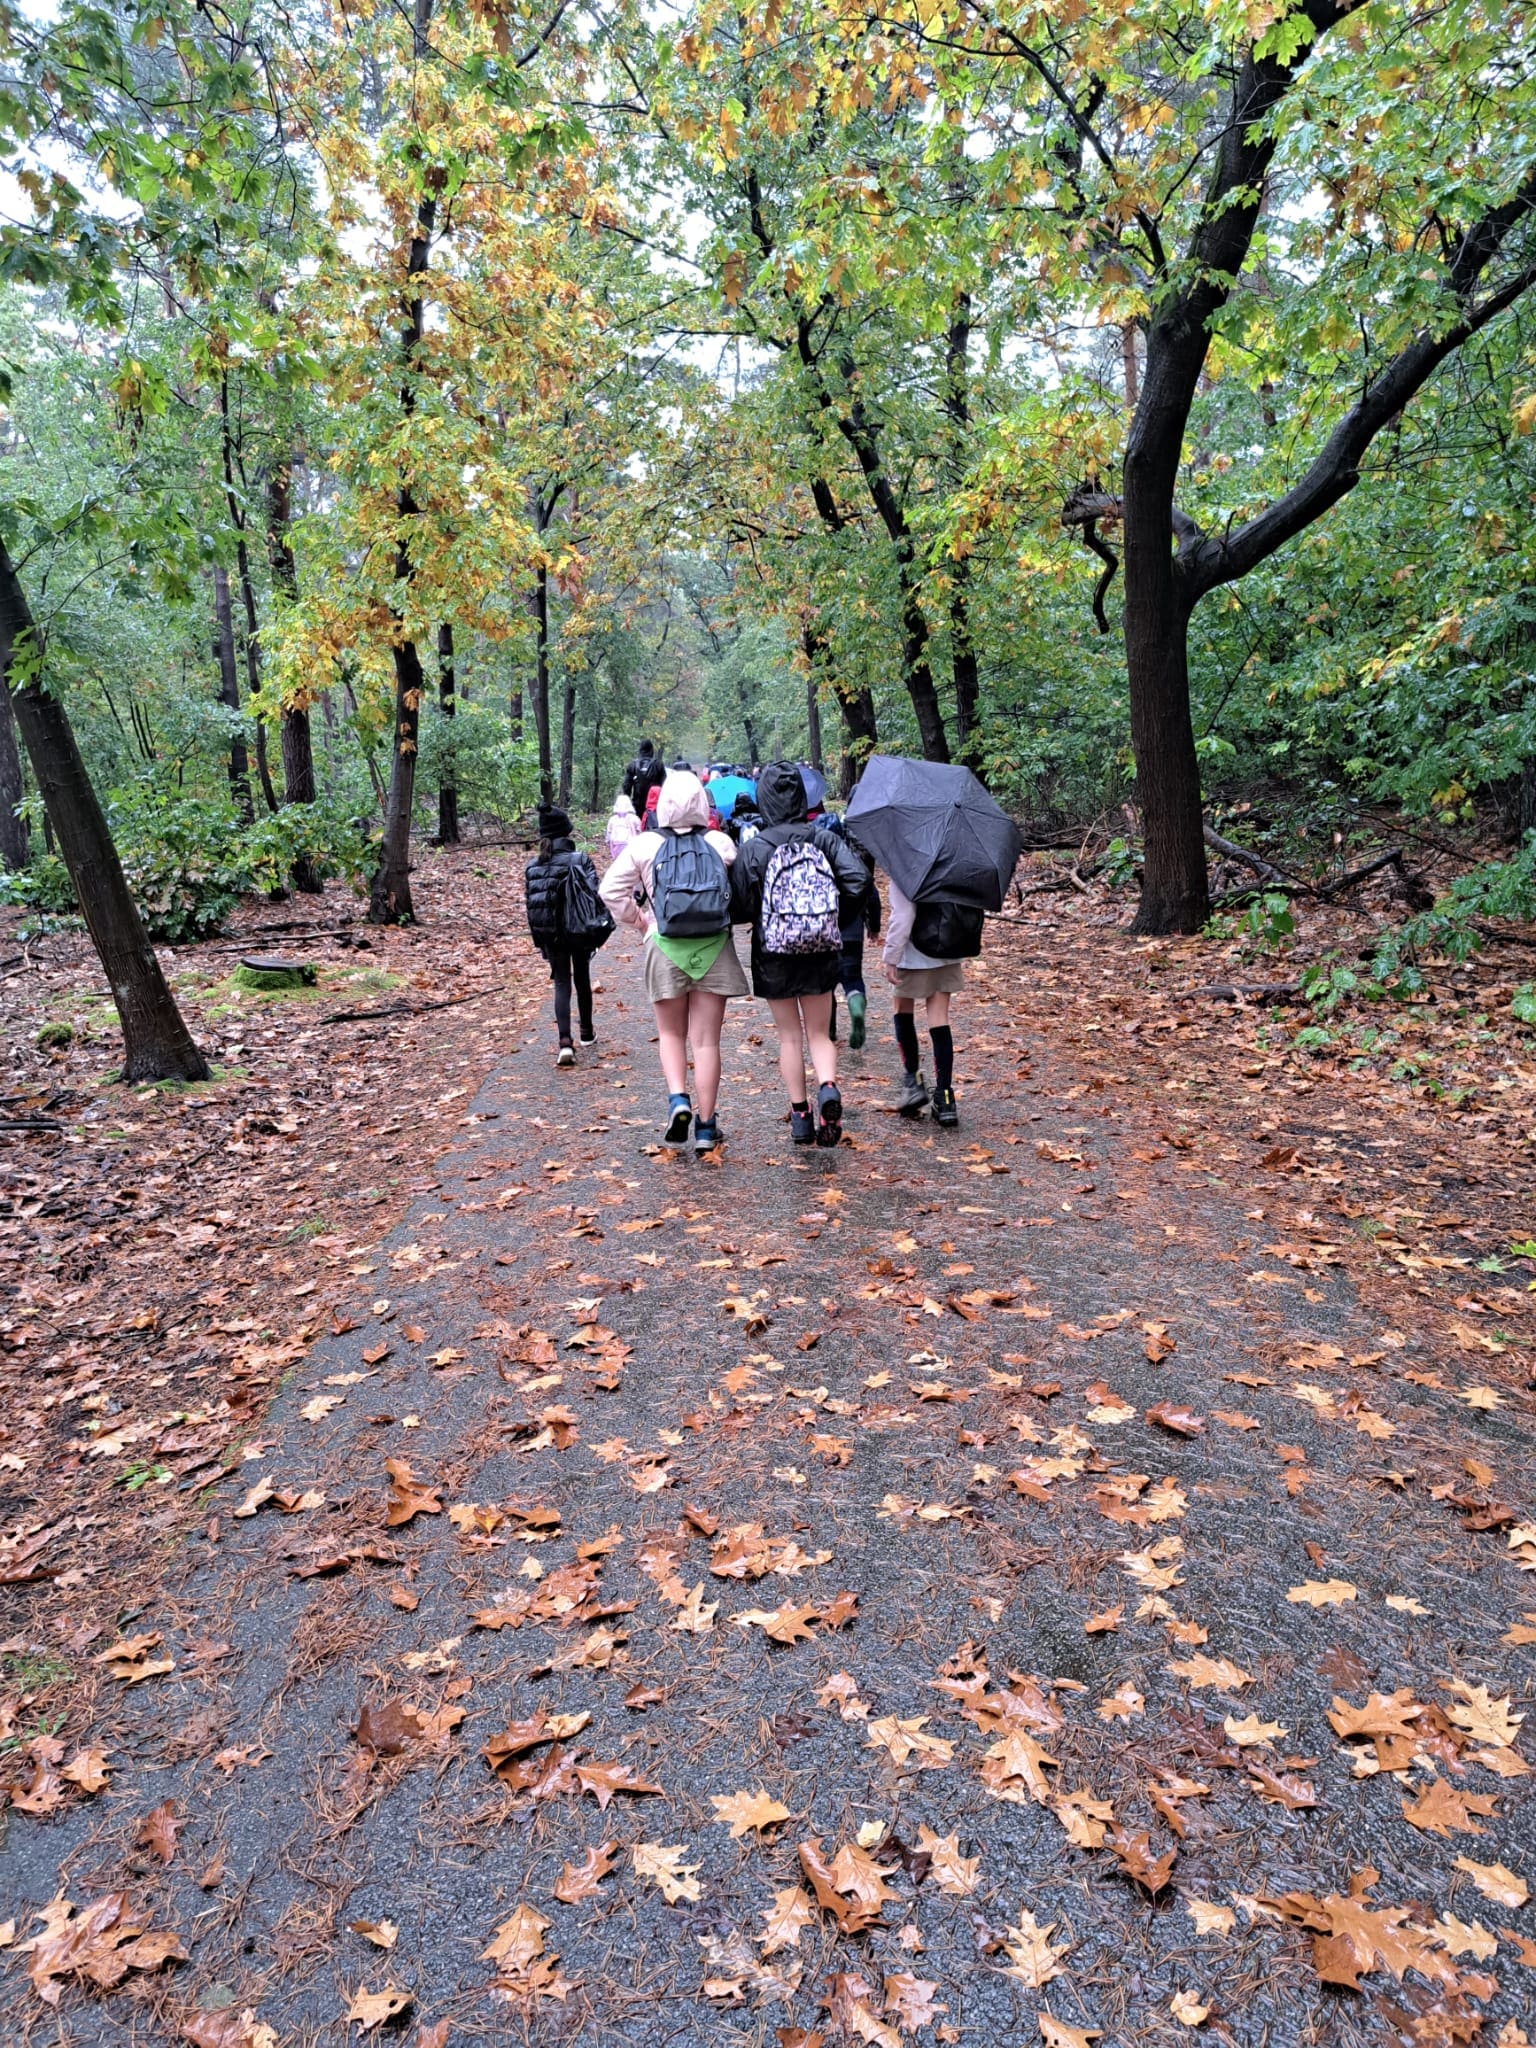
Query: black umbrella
815	786
935	831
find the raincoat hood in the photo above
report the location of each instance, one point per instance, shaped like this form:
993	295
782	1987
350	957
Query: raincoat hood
681	805
781	794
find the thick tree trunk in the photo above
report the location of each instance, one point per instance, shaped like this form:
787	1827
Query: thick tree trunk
156	1043
297	745
962	648
229	693
389	899
860	735
541	680
1175	890
515	712
247	588
448	781
597	750
13	829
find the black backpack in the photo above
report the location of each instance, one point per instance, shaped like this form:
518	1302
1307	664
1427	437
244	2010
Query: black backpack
947	931
690	889
586	918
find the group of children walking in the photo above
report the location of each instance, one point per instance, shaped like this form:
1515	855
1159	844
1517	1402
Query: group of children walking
808	895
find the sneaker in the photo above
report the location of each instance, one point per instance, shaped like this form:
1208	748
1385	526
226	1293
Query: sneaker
707	1134
913	1099
587	1034
856	1008
829	1108
679	1121
944	1110
802	1126
566	1056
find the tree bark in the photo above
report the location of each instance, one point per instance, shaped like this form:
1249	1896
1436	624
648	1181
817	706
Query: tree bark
962	647
541	680
13	829
157	1045
247	587
389	900
567	735
297	744
812	703
448	782
597	750
229	694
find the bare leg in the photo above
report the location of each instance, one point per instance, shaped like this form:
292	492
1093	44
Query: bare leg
817	1013
785	1012
706	1014
672	1036
938	1010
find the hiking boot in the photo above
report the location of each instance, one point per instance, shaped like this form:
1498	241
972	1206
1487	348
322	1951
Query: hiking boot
856	1008
944	1110
802	1125
707	1134
829	1108
913	1099
679	1122
566	1056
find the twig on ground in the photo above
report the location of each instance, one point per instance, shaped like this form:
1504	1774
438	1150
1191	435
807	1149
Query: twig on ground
409	1009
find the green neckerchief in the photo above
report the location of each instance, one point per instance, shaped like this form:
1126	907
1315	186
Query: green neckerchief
695	956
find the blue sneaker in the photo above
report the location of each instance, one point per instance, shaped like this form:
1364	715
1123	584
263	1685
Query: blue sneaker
706	1134
679	1121
829	1106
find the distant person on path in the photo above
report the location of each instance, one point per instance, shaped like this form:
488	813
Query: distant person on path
568	922
794	882
926	947
681	874
622	825
863	919
645	773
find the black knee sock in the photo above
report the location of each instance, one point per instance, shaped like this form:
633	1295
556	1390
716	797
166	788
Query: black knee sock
906	1038
943	1055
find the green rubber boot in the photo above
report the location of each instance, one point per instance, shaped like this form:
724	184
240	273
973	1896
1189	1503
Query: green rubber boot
856	1008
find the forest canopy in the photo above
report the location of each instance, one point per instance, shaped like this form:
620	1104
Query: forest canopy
405	410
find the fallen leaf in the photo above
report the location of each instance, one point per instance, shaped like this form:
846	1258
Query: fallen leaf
580	1880
786	1920
408	1497
1057	2034
158	1830
665	1868
1188	2010
1210	1918
1495	1882
744	1811
382	1933
370	2009
1328	1593
1032	1958
1441	1810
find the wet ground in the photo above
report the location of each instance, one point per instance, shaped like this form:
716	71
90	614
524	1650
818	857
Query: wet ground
1010	1506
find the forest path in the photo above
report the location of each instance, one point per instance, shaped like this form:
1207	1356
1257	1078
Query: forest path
915	1371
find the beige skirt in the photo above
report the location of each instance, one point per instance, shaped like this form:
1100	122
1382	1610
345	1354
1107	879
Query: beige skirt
918	982
664	979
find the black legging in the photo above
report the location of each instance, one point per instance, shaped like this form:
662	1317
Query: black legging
564	969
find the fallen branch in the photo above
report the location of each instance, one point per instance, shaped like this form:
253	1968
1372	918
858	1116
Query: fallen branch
1266	870
1250	992
1502	938
409	1009
1325	890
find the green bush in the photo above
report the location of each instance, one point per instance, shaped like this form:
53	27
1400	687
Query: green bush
42	885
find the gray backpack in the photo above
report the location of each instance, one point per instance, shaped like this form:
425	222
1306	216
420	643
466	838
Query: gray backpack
690	889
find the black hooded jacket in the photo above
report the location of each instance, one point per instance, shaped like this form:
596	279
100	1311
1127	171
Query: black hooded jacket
781	801
544	894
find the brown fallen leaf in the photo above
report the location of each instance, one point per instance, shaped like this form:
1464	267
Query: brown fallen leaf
87	1769
1180	1421
786	1920
382	1933
663	1864
1441	1810
388	1729
851	1886
370	2009
158	1830
1057	2034
1201	1670
745	1811
1281	1788
229	2028
1327	1593
603	1780
408	1497
950	1871
1495	1882
580	1880
1133	1852
1031	1956
1102	1624
99	1943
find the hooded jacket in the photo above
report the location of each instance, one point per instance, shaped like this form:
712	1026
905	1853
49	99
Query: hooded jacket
544	893
681	806
781	801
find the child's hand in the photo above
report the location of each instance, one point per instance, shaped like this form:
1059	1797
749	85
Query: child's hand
892	974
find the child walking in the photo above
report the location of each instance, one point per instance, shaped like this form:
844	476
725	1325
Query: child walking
671	883
926	947
863	919
794	882
567	921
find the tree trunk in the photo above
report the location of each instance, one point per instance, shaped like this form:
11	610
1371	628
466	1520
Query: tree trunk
297	745
1525	817
156	1043
808	643
541	680
229	694
1175	890
448	782
247	588
597	750
567	736
962	648
13	829
389	899
1132	367
515	713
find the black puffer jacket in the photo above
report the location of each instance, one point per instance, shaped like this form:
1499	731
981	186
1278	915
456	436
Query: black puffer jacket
781	800
544	895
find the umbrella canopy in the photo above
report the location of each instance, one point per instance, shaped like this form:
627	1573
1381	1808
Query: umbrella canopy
815	786
724	790
935	831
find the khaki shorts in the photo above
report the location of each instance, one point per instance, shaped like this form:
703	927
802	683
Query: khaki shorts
664	979
919	982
